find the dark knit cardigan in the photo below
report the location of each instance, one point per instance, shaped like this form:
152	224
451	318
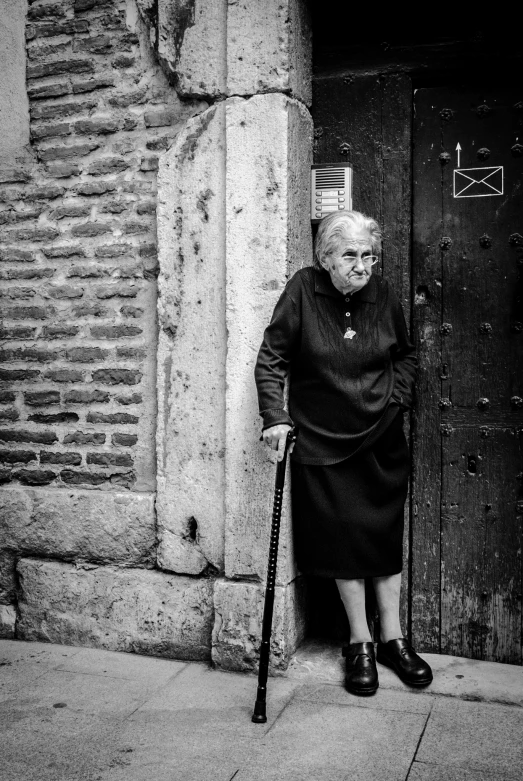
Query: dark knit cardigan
342	392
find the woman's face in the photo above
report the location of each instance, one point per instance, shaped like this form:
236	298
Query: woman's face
345	264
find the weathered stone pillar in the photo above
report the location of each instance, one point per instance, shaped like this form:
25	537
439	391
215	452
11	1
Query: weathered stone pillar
233	226
268	234
192	348
269	141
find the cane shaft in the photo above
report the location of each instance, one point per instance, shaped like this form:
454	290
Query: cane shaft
259	715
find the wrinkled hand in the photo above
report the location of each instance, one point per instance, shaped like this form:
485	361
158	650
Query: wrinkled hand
275	437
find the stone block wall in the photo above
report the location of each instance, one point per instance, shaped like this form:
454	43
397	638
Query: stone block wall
168	140
136	610
78	269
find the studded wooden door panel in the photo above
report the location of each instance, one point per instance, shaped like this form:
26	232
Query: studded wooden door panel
467	266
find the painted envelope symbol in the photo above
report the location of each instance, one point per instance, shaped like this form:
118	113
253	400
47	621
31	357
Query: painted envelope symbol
478	182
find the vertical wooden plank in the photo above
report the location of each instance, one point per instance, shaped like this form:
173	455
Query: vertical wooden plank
515	259
479	275
396	150
396	145
347	126
426	439
481	541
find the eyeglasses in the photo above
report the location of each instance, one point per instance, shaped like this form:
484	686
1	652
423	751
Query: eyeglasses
367	260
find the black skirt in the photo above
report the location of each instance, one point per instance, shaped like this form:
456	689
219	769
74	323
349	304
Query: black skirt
348	517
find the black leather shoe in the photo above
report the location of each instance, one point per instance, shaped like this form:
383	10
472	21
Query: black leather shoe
361	675
401	657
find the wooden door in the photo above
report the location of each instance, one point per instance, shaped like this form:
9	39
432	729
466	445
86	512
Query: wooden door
467	494
366	120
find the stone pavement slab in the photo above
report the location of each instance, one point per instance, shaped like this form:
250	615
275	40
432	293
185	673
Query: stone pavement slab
65	706
226	698
424	772
21	663
39	654
54	744
112	664
453	676
313	740
197	727
384	699
81	693
69	714
471	679
164	746
68	720
475	736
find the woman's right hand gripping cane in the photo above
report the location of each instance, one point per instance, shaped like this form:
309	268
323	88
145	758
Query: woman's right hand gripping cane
276	436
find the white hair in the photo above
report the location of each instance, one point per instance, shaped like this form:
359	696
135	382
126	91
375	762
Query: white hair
340	226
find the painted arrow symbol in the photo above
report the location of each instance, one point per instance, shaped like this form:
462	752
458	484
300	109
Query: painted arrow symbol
458	150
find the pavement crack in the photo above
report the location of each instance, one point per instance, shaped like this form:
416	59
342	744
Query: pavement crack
280	714
152	693
418	744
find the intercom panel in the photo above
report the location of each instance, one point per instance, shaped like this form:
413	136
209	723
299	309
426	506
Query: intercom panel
331	189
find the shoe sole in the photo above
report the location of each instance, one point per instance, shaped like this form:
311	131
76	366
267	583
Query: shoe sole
420	683
362	692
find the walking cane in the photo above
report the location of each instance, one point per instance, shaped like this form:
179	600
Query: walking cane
259	716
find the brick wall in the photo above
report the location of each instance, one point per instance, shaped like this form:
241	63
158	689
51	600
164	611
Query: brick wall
78	260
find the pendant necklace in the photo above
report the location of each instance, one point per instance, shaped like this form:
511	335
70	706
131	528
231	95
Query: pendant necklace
349	333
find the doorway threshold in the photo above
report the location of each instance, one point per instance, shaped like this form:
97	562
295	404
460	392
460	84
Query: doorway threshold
320	661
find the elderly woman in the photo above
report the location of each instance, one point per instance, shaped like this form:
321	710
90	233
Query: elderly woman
339	332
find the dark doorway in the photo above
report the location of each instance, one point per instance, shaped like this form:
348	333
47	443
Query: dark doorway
390	107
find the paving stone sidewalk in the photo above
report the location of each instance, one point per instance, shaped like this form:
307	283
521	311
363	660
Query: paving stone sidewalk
75	713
